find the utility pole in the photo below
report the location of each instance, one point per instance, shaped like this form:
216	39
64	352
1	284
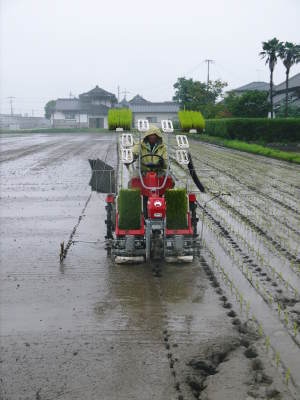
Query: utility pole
11	104
125	92
118	93
208	61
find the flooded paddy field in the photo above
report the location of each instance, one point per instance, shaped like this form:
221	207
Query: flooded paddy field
225	326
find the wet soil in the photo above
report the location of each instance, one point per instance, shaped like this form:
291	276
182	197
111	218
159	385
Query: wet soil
85	328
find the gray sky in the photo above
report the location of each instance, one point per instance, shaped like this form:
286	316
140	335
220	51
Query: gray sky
52	47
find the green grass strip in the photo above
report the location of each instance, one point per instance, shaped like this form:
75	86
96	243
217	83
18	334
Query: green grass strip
250	148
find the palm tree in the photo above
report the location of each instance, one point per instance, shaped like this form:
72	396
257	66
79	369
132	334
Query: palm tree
271	52
290	55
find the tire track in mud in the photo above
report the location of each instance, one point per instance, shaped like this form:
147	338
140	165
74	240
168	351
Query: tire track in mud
36	148
157	273
192	374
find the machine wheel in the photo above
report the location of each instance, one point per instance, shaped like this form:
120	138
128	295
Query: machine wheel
148	242
109	221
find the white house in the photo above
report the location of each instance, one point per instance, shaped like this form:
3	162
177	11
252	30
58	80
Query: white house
154	112
90	110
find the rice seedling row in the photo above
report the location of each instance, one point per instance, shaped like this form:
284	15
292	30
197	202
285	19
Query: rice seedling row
251	302
247	206
263	282
281	201
245	170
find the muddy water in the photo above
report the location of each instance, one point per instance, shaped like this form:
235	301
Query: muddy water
86	328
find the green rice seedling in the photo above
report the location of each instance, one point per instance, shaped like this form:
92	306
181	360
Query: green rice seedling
250	277
119	118
129	209
286	318
191	120
271	298
277	359
247	309
279	310
287	376
176	208
295	328
267	343
260	329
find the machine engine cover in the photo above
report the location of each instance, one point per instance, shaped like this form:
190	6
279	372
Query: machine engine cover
156	207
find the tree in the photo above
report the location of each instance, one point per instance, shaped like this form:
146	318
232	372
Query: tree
290	55
293	111
198	96
270	51
49	108
251	104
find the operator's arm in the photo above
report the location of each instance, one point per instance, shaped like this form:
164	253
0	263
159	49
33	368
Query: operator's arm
135	151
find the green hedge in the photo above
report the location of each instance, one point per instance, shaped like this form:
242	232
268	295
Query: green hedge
191	120
176	207
129	209
119	118
255	129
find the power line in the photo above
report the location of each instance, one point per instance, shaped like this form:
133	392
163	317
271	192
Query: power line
125	92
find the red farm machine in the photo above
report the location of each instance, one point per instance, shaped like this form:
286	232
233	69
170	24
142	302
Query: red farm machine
150	219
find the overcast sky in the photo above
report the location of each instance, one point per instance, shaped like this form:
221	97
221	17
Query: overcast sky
50	48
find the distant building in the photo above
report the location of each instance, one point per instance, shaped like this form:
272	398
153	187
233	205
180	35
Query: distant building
154	112
260	86
90	110
279	91
17	121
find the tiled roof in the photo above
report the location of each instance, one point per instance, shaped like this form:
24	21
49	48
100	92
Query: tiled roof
67	105
99	92
138	100
166	107
294	82
262	86
76	105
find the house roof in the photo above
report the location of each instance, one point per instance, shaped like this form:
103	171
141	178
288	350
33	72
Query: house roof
77	105
123	103
97	92
138	100
167	107
67	105
261	86
294	82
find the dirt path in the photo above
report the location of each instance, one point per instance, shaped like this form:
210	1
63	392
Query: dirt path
89	329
